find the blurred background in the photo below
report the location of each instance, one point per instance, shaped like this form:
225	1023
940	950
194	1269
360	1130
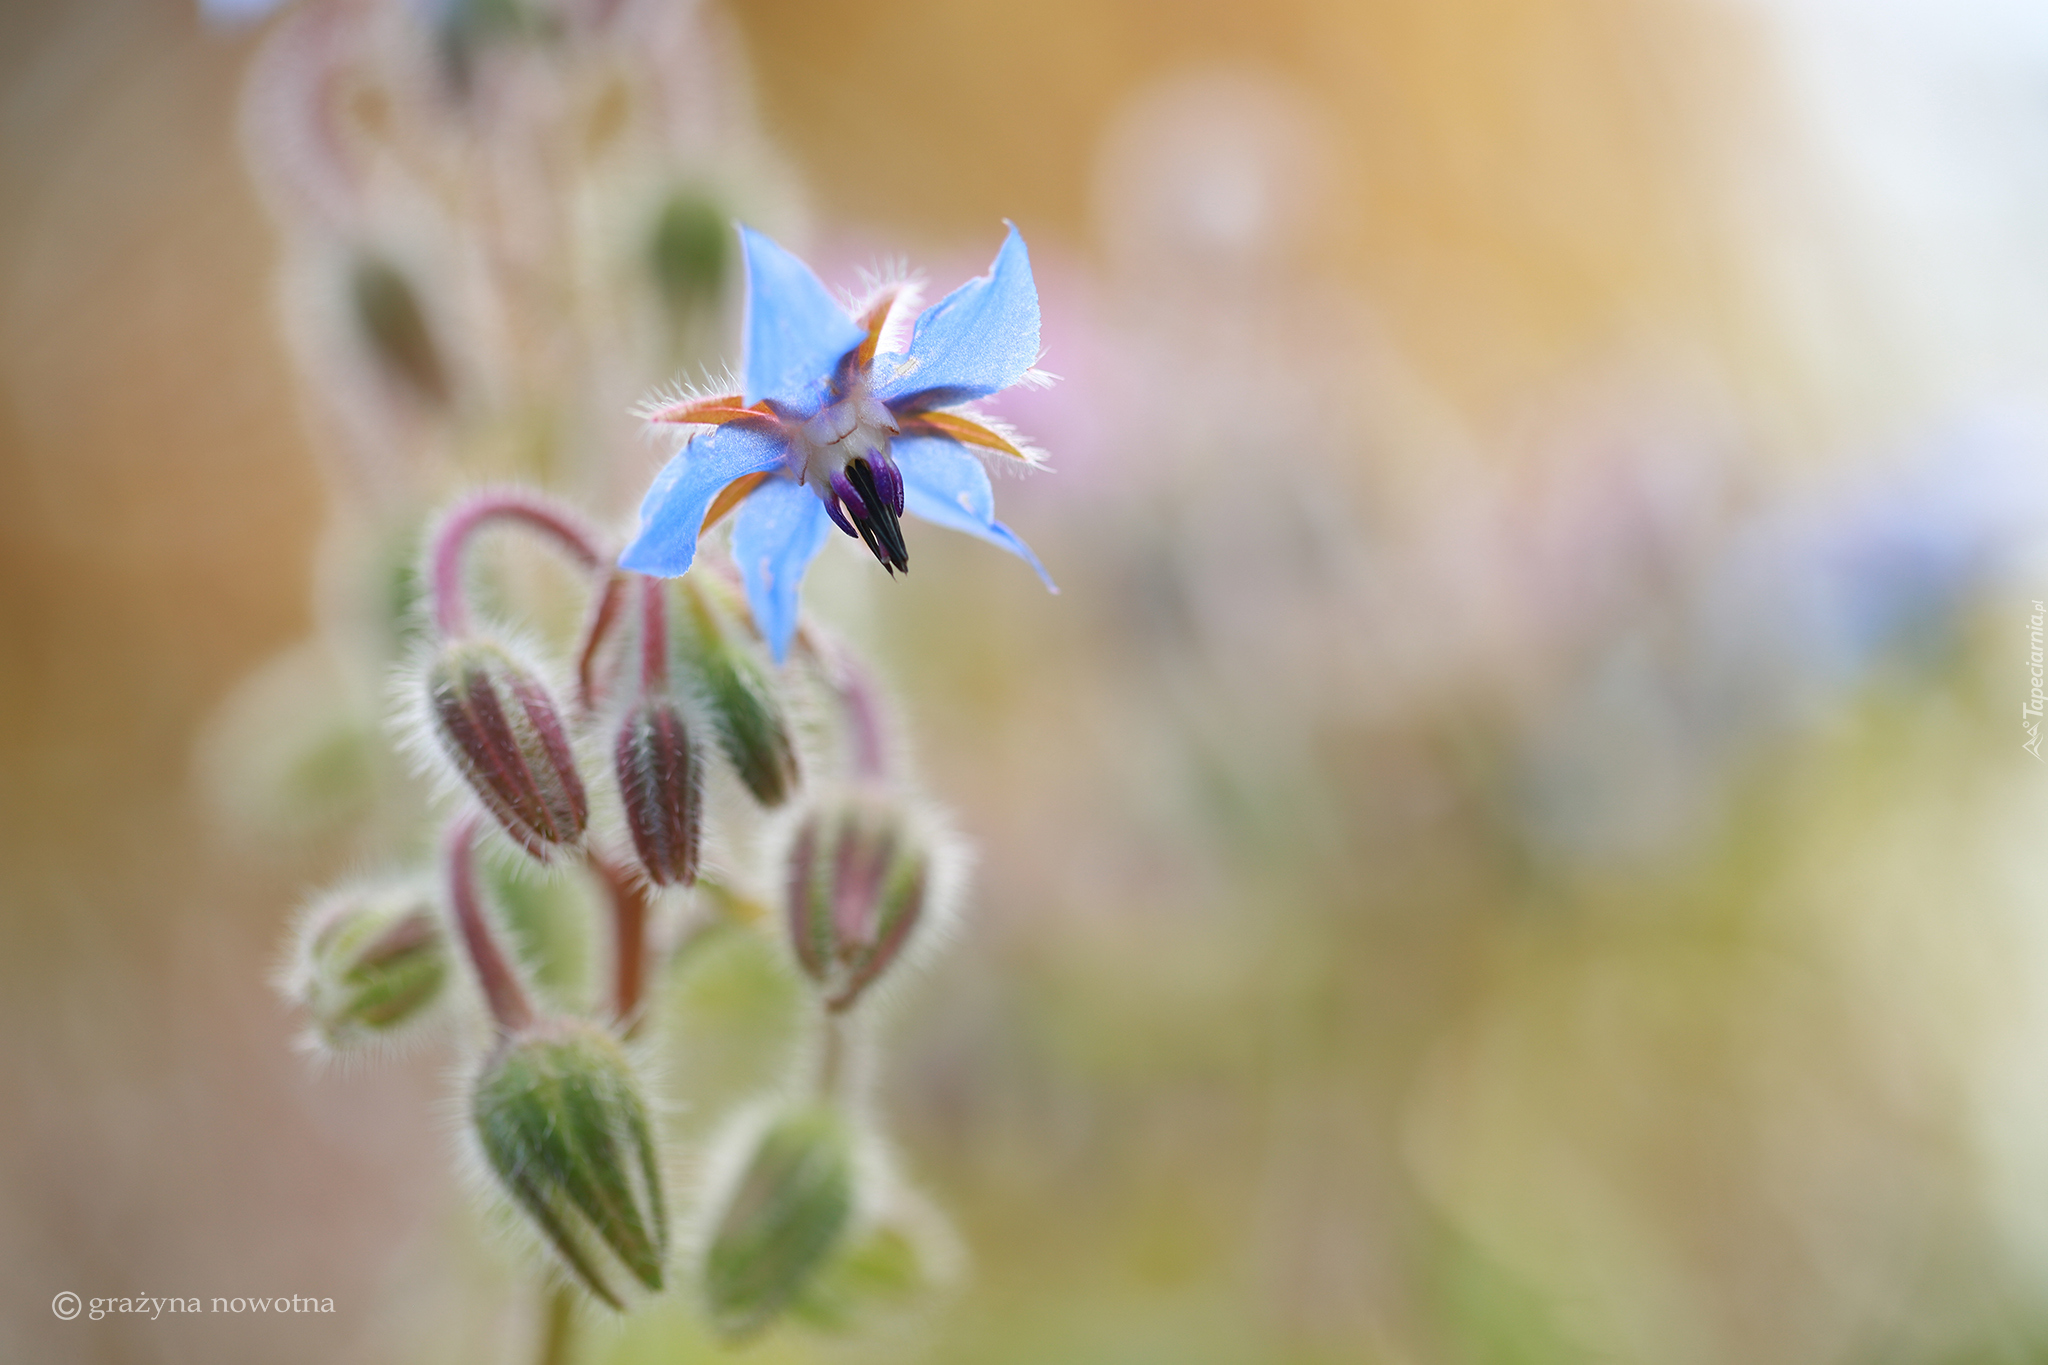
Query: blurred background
1513	845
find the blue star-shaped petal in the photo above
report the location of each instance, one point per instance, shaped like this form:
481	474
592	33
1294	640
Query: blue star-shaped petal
827	431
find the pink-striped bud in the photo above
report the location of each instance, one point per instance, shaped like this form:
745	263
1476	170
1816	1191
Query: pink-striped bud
498	724
859	878
660	774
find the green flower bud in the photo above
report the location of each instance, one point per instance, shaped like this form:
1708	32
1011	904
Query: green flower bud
859	878
738	691
690	250
369	961
563	1127
503	731
782	1222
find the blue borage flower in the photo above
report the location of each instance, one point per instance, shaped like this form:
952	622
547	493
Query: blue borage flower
827	430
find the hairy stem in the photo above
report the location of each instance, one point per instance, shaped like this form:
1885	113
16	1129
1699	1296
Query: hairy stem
653	635
629	941
604	614
836	1045
502	991
451	604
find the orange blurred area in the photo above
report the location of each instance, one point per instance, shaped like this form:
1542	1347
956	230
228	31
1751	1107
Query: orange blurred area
1512	845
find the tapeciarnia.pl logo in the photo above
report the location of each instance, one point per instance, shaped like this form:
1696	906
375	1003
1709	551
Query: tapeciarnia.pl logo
2030	714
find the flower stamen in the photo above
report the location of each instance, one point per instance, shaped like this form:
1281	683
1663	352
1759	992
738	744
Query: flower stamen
873	504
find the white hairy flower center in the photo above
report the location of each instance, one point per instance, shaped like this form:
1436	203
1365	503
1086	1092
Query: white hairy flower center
851	429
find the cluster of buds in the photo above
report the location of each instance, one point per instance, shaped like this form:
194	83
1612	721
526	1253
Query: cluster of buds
438	166
688	674
609	774
863	873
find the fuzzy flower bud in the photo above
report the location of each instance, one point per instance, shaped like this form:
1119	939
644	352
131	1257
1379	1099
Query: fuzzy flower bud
782	1223
858	880
369	961
565	1131
659	777
691	251
505	735
740	695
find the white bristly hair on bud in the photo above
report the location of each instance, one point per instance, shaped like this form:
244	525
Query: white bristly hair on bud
296	972
410	721
512	1228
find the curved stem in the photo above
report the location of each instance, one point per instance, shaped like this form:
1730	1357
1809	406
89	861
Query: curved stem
451	605
604	614
629	941
502	991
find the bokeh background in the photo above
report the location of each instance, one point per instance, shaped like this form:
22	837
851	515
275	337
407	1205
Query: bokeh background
1513	845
